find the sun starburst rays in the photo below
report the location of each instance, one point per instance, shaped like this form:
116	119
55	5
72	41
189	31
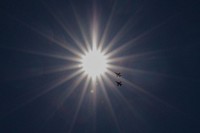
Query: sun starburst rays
92	51
95	46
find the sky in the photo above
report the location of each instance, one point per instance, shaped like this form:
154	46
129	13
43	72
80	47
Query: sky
155	45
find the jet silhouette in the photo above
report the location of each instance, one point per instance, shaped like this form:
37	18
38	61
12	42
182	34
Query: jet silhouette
118	74
119	83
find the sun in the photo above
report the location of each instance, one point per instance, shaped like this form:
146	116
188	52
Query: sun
94	63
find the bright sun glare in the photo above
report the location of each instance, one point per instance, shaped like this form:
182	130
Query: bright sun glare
94	63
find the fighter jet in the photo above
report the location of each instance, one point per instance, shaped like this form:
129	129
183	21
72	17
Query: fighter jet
119	83
118	74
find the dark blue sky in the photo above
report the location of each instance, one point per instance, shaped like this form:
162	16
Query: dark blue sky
167	68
